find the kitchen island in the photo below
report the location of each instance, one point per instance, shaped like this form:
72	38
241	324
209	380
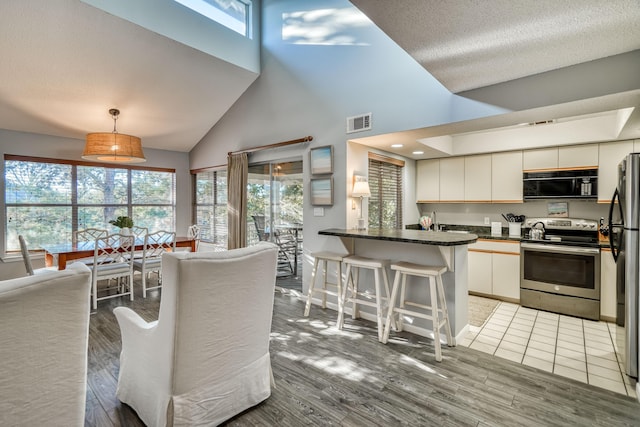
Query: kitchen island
422	247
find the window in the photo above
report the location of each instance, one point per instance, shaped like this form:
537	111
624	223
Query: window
47	200
385	182
211	207
233	14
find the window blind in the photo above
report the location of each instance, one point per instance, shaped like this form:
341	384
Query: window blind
385	182
211	206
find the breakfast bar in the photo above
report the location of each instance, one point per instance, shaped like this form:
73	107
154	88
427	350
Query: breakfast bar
421	247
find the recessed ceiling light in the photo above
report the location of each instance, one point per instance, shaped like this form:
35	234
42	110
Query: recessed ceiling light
396	145
418	152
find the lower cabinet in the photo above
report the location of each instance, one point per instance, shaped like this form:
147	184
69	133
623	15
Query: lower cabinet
494	269
607	286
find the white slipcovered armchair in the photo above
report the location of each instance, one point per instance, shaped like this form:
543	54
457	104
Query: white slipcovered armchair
44	333
206	358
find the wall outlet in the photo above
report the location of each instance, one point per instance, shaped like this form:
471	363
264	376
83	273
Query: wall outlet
318	211
487	221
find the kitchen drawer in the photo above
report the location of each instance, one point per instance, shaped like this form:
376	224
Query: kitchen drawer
500	246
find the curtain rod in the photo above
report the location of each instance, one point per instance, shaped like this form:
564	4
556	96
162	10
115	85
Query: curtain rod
276	145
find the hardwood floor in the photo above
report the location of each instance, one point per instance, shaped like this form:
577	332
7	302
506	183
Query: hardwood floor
328	377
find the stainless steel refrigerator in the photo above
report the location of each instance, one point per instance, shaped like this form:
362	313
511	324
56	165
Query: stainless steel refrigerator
624	236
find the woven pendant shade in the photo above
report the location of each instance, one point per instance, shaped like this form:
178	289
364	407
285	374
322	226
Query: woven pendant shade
113	147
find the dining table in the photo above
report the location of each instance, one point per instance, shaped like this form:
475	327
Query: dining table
68	251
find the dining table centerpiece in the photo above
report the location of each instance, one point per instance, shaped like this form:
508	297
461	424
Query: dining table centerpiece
124	223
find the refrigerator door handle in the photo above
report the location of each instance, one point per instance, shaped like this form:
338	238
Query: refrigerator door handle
615	238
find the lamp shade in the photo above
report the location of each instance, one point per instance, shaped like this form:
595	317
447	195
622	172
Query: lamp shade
113	148
361	189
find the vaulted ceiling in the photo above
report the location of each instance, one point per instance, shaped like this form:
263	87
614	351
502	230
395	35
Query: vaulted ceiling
64	63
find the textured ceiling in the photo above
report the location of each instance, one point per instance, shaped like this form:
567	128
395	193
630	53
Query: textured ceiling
576	61
468	44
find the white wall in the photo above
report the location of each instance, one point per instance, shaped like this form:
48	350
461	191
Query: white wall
36	145
323	61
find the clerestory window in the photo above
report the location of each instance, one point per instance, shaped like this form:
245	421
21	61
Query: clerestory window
233	14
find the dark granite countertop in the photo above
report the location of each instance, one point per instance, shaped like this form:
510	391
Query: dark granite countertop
484	233
435	238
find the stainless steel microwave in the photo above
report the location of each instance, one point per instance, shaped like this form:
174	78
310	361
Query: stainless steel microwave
560	184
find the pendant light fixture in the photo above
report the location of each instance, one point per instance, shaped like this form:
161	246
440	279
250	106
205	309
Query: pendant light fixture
113	147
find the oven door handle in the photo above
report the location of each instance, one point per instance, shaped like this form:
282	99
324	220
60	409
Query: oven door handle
560	249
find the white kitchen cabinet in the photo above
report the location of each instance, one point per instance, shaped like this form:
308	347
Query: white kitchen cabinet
577	156
506	275
542	158
452	179
572	156
610	155
607	286
477	178
480	272
506	177
428	180
494	269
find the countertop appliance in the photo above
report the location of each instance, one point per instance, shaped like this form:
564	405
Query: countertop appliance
624	226
560	184
560	270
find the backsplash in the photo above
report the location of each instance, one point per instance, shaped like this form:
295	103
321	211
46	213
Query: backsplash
475	213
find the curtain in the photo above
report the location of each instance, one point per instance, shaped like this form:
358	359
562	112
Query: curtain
238	165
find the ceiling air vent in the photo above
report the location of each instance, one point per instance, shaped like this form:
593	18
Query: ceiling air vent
359	123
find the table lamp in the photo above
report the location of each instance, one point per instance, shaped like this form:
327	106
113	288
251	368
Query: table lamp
361	190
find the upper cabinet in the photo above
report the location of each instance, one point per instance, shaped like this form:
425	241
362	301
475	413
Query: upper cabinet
611	154
506	177
497	177
571	156
481	179
578	156
428	181
477	178
452	179
542	158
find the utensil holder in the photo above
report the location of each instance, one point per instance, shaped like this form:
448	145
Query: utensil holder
515	229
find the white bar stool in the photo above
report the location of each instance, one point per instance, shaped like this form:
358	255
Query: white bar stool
436	289
356	297
325	257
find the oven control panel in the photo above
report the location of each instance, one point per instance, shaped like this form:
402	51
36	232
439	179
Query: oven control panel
564	223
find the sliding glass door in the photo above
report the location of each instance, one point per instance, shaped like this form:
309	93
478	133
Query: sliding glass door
274	208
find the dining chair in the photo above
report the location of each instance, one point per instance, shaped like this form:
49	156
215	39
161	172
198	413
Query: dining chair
155	244
113	259
138	234
285	264
194	233
24	249
88	235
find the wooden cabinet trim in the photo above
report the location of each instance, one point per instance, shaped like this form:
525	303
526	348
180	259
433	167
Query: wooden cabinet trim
489	251
577	168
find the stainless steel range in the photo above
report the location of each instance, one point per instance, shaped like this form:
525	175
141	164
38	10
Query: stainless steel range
560	266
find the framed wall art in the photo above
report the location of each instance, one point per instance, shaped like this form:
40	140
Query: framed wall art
321	159
558	209
322	191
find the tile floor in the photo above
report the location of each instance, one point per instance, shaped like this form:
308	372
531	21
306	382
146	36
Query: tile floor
580	349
